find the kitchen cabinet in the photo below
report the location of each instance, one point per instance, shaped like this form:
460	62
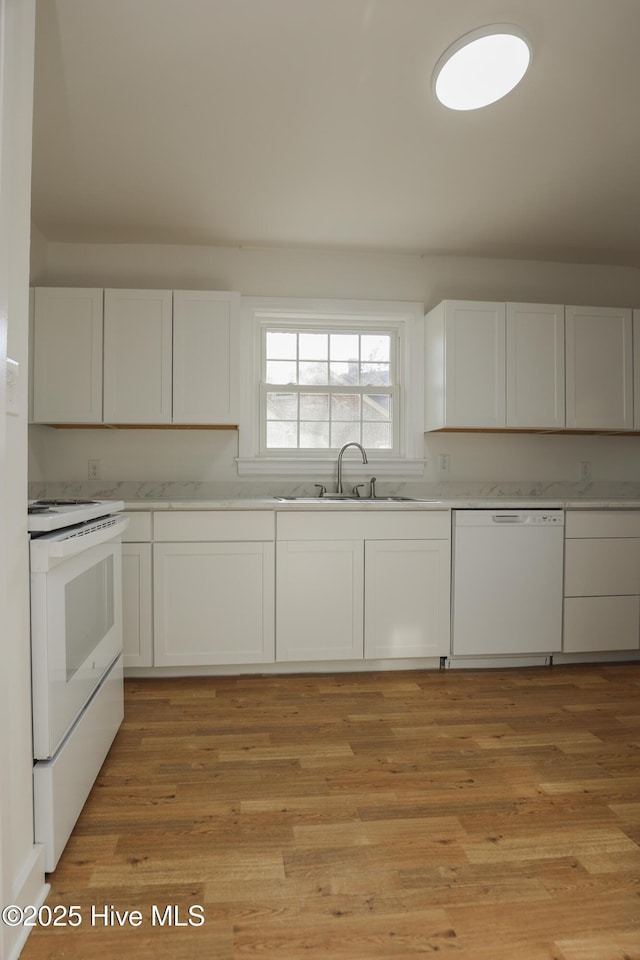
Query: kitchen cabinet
137	598
137	356
465	365
352	585
602	581
493	366
599	368
67	355
206	330
213	576
535	366
636	369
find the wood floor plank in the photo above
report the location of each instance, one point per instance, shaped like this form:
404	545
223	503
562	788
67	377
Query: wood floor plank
481	815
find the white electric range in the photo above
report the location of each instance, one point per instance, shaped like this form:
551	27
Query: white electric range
75	553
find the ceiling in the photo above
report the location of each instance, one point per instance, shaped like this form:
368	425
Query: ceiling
311	123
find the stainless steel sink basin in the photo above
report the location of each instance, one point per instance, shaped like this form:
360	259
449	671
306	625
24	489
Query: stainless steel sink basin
328	498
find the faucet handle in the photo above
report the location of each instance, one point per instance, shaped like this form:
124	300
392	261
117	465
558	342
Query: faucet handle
372	490
356	489
321	487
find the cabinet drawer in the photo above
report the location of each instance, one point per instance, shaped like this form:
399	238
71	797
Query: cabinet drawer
139	529
602	567
601	623
602	523
212	525
365	525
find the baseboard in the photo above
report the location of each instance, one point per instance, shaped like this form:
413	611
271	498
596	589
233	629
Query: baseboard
29	889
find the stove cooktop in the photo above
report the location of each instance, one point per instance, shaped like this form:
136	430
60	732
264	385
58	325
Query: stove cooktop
53	514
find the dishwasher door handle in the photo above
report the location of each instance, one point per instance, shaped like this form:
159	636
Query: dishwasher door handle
509	518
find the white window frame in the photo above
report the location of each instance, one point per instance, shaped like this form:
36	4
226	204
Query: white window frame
405	320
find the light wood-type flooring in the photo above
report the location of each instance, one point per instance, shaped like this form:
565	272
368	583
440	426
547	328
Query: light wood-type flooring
471	815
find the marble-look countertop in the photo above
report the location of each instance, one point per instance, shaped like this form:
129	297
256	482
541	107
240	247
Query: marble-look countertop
459	503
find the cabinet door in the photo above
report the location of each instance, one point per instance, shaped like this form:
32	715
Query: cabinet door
474	364
636	369
599	368
595	624
136	605
406	611
67	355
205	357
213	603
535	366
319	600
137	356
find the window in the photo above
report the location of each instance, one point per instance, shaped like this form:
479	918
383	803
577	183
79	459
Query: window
321	373
322	388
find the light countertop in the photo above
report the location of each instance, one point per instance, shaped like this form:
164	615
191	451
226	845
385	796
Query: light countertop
461	503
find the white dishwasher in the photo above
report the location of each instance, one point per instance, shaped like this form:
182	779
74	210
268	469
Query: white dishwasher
507	582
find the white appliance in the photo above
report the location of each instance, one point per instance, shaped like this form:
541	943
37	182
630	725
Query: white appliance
507	582
76	653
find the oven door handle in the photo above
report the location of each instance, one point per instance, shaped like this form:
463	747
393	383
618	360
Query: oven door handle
43	551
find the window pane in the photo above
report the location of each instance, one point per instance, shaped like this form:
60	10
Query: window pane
282	434
342	433
344	346
311	371
344	373
375	374
282	406
281	346
376	348
376	407
345	406
314	406
281	371
377	435
314	434
314	346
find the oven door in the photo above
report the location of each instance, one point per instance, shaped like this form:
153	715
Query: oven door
76	626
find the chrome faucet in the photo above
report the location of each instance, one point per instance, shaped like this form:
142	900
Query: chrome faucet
352	443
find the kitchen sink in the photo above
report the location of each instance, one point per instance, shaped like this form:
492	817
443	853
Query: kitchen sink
328	498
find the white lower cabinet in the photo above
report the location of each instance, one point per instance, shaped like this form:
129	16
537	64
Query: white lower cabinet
213	575
351	586
406	612
602	581
319	599
137	637
137	597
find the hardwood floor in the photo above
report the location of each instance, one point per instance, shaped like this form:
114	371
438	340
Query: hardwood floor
480	815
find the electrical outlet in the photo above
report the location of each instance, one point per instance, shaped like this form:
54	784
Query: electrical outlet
585	469
443	463
94	470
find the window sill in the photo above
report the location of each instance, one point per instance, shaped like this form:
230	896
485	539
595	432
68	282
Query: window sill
324	467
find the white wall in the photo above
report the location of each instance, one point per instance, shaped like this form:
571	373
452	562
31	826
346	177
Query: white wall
201	456
21	873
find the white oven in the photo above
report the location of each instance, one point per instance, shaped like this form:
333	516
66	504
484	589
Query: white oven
76	647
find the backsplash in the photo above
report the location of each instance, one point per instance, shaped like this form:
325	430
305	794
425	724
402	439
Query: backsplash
228	490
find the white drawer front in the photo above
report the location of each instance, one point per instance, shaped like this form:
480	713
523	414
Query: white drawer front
139	529
594	624
603	567
365	525
212	525
602	523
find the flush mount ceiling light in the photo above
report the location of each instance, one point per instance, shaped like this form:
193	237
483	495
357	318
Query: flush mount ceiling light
481	67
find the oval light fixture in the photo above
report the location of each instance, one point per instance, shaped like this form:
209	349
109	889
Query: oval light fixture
481	67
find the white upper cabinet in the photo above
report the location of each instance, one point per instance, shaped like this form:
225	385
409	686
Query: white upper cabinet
205	356
137	356
599	368
67	355
636	369
465	365
535	366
